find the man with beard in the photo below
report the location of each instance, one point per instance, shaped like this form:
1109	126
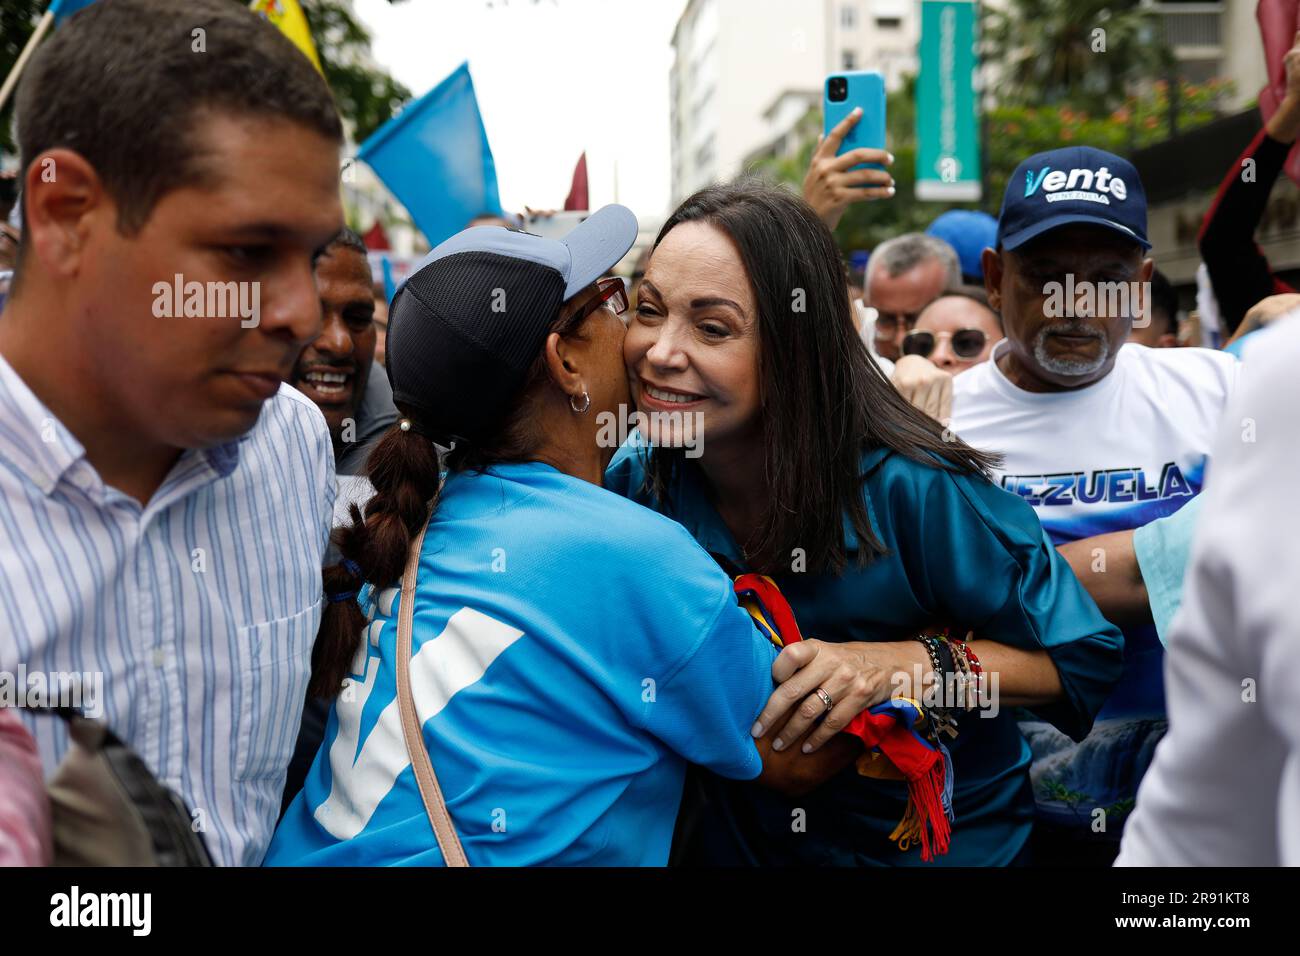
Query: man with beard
337	370
1098	436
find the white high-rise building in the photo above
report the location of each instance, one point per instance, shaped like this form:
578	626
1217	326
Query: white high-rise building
1215	39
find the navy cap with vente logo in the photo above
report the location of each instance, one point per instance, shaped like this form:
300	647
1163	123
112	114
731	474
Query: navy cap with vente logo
1077	184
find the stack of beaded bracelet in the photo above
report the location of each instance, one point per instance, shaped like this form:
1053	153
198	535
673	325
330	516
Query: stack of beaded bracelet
943	662
957	670
931	645
972	675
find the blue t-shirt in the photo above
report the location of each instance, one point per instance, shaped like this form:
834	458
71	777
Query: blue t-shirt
571	653
961	552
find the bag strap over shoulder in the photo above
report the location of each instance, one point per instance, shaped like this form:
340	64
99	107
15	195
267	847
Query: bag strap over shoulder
434	805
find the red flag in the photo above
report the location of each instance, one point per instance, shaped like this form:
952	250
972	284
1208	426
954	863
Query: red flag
1278	22
376	238
577	198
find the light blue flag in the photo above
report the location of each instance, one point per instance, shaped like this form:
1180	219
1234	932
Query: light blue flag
62	9
390	287
435	158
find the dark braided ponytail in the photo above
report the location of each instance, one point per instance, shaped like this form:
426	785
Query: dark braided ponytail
404	470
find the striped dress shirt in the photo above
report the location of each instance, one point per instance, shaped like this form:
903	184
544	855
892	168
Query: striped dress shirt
195	614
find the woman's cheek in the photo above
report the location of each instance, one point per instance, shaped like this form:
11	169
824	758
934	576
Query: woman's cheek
634	344
736	375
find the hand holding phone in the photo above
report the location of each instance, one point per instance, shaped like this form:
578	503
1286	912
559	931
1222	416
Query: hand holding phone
862	91
836	179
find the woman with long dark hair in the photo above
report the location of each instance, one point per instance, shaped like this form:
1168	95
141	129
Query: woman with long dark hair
805	464
567	651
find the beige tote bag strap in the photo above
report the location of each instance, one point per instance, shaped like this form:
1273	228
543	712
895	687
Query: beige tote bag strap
430	792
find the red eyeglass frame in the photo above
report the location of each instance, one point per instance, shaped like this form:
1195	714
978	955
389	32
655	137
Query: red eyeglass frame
611	288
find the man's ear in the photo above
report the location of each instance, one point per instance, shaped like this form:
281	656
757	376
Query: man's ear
562	362
62	192
991	260
1146	269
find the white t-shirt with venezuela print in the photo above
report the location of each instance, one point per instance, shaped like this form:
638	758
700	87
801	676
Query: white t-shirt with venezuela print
1115	455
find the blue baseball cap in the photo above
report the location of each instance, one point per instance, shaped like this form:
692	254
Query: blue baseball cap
969	232
1077	184
593	247
465	328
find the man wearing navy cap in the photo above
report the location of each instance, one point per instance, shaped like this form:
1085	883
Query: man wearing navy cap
1098	436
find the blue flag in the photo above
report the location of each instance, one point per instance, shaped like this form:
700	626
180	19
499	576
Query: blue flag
390	287
62	9
435	158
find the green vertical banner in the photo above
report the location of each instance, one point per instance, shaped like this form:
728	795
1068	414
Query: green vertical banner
947	115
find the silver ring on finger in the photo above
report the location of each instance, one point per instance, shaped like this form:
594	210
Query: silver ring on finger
826	699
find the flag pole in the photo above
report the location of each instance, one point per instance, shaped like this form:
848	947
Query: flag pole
12	79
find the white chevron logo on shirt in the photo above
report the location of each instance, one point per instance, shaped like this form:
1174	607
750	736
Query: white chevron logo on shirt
455	659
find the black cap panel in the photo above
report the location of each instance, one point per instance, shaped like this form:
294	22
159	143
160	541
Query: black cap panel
462	334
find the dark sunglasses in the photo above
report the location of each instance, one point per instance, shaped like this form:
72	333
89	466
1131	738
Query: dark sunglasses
887	322
611	293
966	343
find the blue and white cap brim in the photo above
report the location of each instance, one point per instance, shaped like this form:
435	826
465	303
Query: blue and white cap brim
588	252
596	245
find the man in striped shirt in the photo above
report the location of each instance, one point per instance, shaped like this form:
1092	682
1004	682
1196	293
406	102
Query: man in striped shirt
164	499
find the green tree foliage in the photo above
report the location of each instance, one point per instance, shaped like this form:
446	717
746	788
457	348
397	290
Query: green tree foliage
1017	131
17	21
366	95
1084	53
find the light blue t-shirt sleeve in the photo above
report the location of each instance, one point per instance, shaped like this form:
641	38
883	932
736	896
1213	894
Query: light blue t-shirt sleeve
705	707
1163	548
1237	348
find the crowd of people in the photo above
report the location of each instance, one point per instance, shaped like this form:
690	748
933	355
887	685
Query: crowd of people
367	583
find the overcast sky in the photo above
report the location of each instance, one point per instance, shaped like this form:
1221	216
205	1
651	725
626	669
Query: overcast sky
553	78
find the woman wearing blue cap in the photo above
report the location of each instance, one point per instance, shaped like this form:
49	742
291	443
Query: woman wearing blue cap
522	663
875	523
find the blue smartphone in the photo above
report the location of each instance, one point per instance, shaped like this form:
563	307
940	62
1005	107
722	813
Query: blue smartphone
844	92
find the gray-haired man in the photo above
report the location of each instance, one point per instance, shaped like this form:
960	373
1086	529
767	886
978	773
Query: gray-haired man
904	275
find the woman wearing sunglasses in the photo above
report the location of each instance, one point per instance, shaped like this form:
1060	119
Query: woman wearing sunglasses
874	523
955	331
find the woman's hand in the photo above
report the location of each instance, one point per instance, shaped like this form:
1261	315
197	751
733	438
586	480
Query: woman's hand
854	675
831	183
925	385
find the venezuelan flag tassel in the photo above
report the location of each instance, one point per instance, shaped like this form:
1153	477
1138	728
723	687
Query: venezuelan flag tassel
926	818
908	830
886	728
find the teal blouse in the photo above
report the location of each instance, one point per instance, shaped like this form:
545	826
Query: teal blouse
961	551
